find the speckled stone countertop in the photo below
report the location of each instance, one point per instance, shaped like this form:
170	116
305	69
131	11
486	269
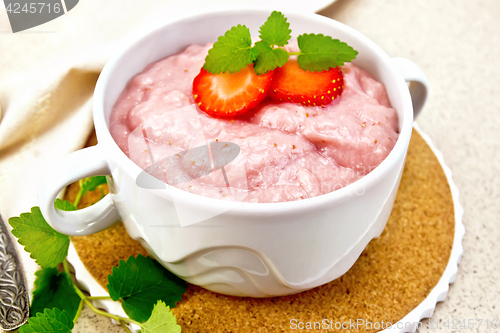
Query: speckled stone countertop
456	45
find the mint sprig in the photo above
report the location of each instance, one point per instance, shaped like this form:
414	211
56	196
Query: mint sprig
320	53
161	321
54	290
87	185
139	283
64	205
50	321
268	58
47	246
276	30
58	301
233	51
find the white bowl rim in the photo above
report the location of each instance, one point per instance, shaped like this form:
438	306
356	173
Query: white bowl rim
244	208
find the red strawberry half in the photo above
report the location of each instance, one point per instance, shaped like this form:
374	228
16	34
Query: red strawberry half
293	84
228	95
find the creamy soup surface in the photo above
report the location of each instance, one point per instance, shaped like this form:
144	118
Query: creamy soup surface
287	151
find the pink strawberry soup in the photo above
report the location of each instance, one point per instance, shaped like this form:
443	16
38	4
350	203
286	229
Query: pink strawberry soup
287	151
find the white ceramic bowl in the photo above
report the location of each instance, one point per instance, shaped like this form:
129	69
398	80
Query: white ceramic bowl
251	249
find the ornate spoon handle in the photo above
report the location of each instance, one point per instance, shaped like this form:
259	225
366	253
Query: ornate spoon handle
14	303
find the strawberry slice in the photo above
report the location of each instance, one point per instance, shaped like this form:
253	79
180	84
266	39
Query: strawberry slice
228	95
293	84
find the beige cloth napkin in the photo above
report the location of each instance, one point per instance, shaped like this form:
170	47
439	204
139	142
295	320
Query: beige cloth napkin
47	78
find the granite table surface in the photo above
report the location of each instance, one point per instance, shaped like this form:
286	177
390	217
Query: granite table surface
457	45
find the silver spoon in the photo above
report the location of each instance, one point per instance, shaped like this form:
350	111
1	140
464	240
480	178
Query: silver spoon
14	303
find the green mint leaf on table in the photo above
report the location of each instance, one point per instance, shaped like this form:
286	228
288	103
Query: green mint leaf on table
47	246
139	283
50	321
319	52
268	58
91	183
88	184
64	205
231	52
275	31
161	321
54	290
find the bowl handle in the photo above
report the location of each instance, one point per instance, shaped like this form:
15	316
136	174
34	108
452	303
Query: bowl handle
78	165
418	83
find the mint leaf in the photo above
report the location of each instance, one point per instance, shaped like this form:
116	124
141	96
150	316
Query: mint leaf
91	183
232	52
47	246
139	283
64	205
54	290
275	31
50	321
268	58
319	52
161	321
